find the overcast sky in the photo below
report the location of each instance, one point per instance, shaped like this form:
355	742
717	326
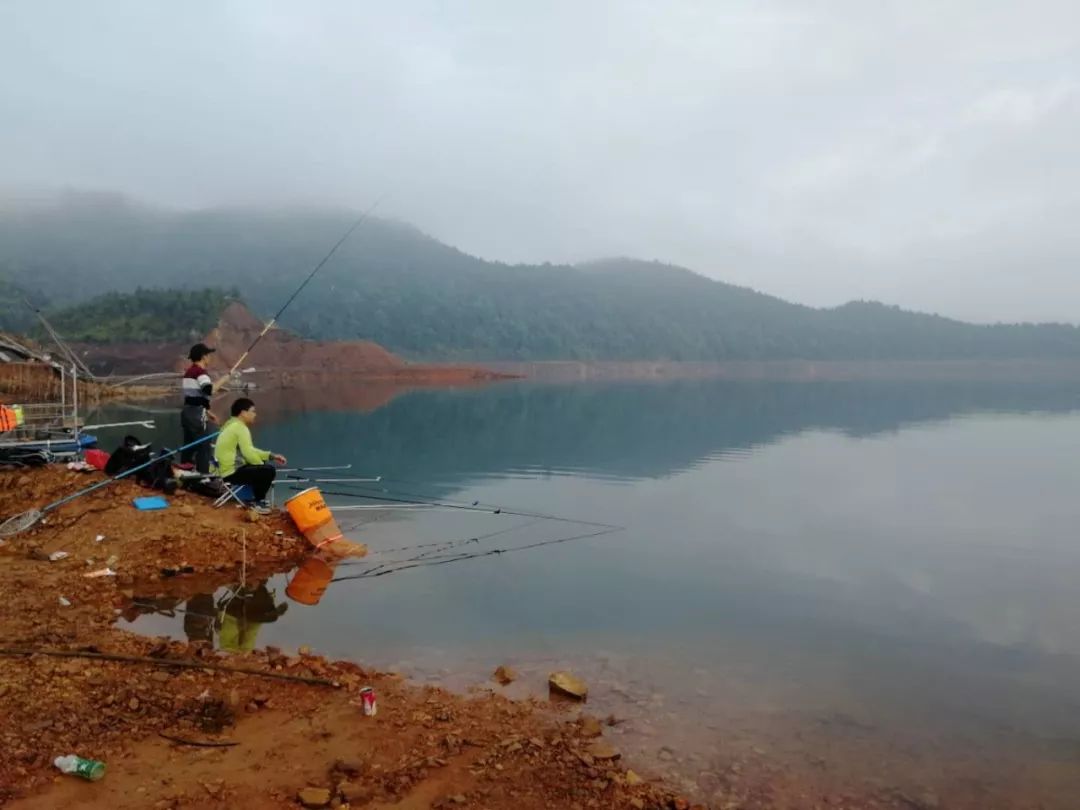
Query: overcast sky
922	152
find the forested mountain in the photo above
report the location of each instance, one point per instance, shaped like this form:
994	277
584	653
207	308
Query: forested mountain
416	296
144	316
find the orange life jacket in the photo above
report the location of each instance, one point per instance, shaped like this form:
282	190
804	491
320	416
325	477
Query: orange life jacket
9	418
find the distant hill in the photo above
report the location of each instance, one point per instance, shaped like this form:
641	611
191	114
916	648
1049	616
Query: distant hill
144	316
423	299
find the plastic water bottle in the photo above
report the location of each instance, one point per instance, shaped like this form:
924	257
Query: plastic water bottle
89	769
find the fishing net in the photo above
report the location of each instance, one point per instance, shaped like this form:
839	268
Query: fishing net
19	523
23	457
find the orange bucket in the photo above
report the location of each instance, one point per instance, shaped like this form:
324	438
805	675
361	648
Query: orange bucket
310	581
313	517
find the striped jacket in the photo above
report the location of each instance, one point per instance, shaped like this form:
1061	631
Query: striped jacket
197	386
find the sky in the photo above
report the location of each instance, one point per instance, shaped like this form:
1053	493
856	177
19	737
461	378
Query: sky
923	152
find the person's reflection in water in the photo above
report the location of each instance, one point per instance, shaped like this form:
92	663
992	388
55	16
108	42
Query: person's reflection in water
244	615
200	615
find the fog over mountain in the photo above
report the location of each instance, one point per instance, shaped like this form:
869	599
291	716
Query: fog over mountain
920	153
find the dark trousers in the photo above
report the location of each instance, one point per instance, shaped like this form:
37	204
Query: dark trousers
193	422
259	477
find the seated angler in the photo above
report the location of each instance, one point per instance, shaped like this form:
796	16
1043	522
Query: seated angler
254	469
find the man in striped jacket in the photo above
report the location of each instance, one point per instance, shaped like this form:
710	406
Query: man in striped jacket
195	417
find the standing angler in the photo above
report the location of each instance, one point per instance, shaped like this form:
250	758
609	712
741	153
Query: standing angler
196	415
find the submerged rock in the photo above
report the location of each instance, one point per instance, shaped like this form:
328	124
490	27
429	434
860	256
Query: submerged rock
590	727
504	675
570	685
601	750
314	797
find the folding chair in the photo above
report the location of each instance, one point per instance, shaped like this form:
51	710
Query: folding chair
242	494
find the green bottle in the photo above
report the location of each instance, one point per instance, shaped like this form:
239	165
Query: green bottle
89	769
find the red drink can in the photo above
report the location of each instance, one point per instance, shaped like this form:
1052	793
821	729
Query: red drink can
367	701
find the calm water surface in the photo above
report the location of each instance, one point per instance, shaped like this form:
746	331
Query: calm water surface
861	584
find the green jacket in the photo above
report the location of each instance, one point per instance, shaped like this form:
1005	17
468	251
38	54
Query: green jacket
235	438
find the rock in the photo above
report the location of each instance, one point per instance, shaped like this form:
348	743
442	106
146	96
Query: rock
314	797
566	684
354	792
633	780
680	803
349	767
187	511
637	804
251	516
590	727
504	675
665	754
601	750
927	800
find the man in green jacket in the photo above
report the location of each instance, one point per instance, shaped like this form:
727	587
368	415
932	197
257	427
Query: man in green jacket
255	471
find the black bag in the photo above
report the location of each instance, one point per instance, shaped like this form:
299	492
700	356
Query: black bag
208	486
127	456
159	474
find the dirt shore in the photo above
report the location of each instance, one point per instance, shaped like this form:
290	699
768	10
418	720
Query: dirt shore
36	382
425	748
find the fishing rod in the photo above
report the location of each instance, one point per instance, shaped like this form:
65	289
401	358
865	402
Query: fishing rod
295	479
316	469
65	350
24	520
475	506
271	323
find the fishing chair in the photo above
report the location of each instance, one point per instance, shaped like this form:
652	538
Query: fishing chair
240	493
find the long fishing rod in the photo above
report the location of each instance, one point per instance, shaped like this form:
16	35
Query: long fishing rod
273	321
296	479
24	520
59	341
316	469
412	499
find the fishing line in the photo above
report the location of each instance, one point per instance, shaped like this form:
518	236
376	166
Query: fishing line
434	548
489	553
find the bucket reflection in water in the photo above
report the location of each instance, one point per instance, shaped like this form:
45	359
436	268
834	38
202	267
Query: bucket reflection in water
311	580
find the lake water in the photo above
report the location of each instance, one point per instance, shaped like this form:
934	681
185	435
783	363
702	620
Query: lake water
851	586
